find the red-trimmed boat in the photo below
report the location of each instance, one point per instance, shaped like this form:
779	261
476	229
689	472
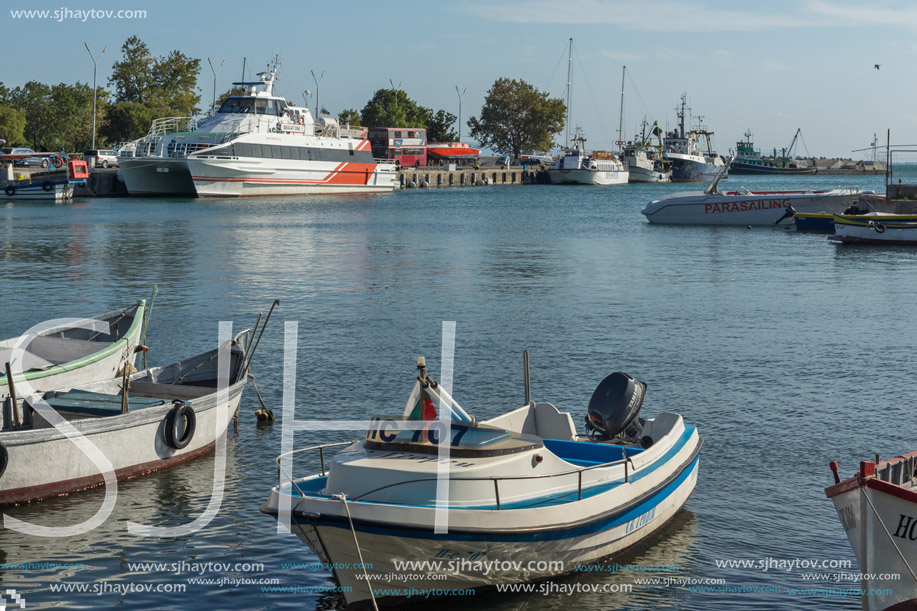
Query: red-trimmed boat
878	509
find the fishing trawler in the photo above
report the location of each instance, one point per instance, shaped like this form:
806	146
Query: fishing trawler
598	168
748	159
689	163
644	159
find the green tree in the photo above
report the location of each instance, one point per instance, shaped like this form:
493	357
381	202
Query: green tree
393	108
440	126
71	112
12	126
516	117
350	117
34	100
165	83
127	121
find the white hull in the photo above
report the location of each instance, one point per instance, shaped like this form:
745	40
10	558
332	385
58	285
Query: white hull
59	192
735	208
881	232
587	177
156	176
41	462
693	168
560	516
252	177
381	550
880	519
638	174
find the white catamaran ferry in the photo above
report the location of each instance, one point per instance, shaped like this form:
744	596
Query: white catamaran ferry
255	144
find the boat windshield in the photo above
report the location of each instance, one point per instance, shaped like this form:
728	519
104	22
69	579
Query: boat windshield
249	105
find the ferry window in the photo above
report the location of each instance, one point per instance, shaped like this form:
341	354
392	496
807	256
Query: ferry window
285	151
243	150
397	134
256	150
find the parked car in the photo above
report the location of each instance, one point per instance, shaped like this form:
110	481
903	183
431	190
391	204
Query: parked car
535	159
103	157
26	161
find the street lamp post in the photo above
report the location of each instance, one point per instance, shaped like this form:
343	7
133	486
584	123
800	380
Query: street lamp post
216	73
95	65
460	111
317	81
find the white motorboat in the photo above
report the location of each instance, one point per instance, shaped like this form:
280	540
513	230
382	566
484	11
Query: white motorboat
72	352
144	422
878	510
254	144
745	207
576	167
524	489
881	230
685	157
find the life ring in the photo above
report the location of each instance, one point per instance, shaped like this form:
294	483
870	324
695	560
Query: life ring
47	186
4	459
10	189
181	411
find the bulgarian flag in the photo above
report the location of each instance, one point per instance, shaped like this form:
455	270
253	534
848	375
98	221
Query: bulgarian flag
422	404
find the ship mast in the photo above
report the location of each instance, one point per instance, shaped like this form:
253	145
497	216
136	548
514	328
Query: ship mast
621	114
569	93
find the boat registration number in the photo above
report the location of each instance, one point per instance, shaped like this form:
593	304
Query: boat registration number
384	430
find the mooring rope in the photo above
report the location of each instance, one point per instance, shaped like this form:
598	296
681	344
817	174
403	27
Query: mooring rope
343	498
890	538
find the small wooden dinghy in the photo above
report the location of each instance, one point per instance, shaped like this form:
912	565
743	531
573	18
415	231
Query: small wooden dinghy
166	416
74	352
523	489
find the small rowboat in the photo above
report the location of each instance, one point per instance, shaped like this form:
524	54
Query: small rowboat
878	510
166	416
436	485
74	351
824	222
890	230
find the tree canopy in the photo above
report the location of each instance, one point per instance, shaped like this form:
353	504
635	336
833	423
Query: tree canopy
12	126
56	116
516	117
393	108
440	127
350	116
166	83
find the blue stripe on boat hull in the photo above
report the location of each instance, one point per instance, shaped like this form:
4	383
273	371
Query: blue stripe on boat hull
598	525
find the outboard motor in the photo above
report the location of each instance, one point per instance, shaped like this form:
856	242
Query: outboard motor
615	405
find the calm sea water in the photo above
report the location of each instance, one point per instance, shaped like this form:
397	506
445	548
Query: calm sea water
787	351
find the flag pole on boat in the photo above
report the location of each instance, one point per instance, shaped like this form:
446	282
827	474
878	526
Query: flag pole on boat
525	374
146	321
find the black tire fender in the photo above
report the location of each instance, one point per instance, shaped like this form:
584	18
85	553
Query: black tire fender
879	227
180	411
47	186
10	189
4	459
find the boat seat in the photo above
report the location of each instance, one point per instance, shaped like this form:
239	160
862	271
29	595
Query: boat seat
543	420
58	350
30	361
88	403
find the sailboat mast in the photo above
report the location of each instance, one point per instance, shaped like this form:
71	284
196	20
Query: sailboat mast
621	114
569	94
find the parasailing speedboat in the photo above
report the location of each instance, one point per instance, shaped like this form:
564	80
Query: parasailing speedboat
437	487
745	207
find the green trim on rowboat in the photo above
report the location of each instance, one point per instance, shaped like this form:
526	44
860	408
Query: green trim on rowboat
92	358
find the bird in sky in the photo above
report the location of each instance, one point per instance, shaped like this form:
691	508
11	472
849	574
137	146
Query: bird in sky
877	66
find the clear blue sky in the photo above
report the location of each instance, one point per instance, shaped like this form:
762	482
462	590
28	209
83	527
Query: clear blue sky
768	67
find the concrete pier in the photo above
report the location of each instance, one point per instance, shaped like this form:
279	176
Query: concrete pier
436	178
